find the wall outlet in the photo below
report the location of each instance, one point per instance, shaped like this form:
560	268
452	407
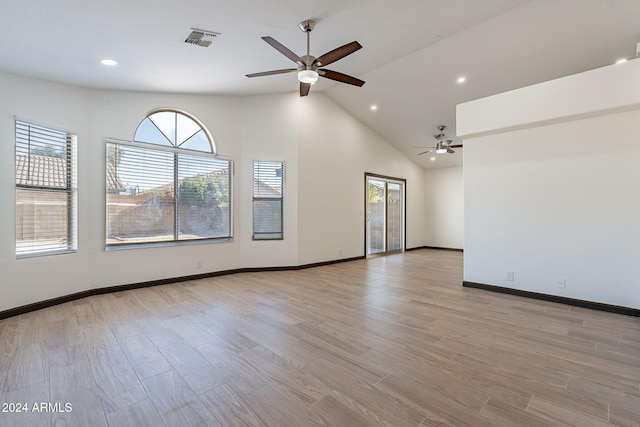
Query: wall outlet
510	276
198	263
339	252
560	282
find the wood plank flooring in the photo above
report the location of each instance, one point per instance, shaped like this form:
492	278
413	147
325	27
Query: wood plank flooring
390	341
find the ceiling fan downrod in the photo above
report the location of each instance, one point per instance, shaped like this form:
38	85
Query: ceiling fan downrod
307	26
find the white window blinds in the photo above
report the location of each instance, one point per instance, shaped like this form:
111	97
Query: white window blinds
157	194
268	183
45	190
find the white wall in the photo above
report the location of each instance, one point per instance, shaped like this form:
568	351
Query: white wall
270	132
557	196
116	114
335	151
444	208
326	153
605	90
30	280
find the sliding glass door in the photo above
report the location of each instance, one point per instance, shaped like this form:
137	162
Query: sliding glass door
385	214
376	216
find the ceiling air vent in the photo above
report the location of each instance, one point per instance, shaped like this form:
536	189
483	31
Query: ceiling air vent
201	37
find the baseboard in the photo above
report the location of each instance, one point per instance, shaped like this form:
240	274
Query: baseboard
435	247
554	298
118	288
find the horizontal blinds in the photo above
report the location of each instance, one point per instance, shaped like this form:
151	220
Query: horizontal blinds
139	191
268	180
45	190
204	190
44	157
159	195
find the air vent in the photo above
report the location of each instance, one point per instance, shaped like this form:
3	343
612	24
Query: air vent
201	37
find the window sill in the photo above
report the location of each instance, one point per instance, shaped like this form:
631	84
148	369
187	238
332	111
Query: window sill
268	237
27	255
126	246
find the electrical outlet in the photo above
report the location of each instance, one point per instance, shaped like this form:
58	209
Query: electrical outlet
510	276
198	263
560	282
339	252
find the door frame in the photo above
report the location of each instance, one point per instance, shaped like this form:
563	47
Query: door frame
385	178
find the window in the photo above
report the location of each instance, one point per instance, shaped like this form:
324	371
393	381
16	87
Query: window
268	182
167	185
45	190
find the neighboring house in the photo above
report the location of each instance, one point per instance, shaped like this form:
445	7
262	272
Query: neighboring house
41	171
265	190
50	172
150	213
36	210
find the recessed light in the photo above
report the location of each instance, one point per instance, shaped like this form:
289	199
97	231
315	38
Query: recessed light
621	60
108	62
373	107
433	159
461	79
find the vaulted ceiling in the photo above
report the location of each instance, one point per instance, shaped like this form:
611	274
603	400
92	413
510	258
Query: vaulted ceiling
413	50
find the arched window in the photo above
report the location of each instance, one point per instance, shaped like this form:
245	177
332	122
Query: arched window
167	185
175	128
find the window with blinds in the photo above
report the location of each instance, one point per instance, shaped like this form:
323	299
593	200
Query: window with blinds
167	185
45	191
268	183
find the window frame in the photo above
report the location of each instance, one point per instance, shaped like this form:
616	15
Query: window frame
275	234
70	188
177	153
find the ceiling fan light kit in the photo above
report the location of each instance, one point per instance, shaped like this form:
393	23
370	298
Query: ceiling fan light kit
440	148
309	66
308	76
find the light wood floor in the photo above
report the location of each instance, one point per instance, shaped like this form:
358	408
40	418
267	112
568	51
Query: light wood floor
390	341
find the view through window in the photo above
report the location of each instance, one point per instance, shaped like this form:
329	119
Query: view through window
167	185
45	190
268	180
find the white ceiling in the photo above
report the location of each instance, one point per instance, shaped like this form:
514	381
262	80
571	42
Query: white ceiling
414	50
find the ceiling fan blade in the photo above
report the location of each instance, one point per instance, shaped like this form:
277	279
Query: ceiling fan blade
425	147
339	77
456	146
337	53
270	73
283	49
449	150
425	152
304	88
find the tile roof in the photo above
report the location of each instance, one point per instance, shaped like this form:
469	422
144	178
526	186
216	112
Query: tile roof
41	171
51	172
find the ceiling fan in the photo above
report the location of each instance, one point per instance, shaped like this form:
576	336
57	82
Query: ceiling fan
309	66
443	145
